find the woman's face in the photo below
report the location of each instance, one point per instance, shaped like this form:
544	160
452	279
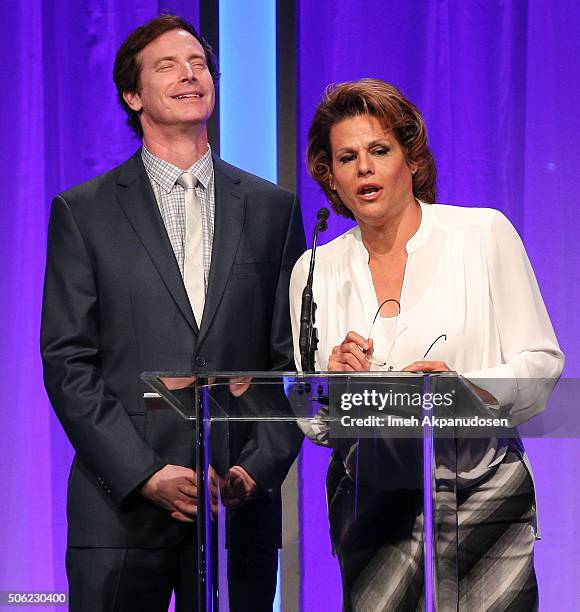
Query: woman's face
369	169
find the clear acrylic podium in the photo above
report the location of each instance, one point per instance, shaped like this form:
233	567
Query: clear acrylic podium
381	430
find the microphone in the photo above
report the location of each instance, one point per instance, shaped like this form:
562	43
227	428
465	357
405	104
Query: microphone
321	217
308	341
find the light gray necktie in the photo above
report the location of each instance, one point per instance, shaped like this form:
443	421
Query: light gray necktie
193	270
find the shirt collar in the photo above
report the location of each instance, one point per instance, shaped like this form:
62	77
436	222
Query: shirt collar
419	238
165	174
203	169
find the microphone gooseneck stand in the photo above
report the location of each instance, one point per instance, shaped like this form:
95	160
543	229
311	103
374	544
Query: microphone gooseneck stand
308	342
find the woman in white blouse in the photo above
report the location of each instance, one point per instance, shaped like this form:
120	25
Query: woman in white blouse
415	278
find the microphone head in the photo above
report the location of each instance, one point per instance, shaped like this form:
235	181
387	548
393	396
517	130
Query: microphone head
322	216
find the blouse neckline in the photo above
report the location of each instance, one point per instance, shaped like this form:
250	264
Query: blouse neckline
414	243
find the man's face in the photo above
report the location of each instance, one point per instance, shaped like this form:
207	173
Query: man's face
176	88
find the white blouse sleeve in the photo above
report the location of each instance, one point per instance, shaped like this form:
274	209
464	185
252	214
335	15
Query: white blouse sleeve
297	284
531	358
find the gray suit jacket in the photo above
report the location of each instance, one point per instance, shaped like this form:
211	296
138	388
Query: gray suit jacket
115	305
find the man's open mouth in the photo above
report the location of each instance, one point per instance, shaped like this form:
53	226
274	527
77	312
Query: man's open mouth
184	96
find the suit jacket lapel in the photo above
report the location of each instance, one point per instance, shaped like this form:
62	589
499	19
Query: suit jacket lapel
230	207
137	200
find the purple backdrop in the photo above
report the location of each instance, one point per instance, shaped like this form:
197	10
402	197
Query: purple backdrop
498	85
61	124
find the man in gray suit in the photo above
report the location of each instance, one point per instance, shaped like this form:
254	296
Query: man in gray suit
173	261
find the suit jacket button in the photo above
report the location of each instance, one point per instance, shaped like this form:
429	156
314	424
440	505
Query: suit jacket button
200	361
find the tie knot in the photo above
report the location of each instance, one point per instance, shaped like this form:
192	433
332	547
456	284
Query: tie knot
187	180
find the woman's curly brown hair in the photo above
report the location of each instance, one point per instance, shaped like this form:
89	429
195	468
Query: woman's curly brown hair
393	111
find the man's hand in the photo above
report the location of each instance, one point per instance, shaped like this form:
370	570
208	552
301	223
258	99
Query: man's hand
187	510
238	488
174	488
239	385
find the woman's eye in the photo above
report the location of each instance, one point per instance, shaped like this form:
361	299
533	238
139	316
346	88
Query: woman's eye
381	150
165	67
346	158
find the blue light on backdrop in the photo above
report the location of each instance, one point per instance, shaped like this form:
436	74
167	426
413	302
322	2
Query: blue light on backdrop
247	54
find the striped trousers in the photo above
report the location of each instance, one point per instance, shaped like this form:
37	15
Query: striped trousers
377	536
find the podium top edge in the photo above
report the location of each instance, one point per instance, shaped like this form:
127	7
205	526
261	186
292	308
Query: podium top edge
299	375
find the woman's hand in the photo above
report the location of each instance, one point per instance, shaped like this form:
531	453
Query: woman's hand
352	355
440	366
427	366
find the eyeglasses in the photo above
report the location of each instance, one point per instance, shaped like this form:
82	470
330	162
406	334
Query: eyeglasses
382	364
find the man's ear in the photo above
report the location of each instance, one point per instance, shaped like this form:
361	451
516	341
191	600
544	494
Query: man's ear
133	100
